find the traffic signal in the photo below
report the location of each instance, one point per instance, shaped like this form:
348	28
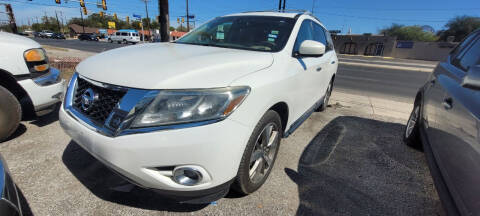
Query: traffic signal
57	1
183	19
178	20
127	19
82	3
115	16
84	10
104	4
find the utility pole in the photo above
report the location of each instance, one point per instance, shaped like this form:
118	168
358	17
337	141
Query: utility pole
313	5
13	25
58	22
83	22
148	19
164	20
188	19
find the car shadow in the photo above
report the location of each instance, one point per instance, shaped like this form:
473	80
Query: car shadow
100	180
21	129
26	210
358	166
47	119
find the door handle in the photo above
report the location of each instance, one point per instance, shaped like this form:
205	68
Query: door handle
447	103
333	62
319	69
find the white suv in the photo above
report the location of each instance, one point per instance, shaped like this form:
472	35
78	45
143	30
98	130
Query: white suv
207	111
124	37
28	85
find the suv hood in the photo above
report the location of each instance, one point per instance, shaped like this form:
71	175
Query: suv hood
173	66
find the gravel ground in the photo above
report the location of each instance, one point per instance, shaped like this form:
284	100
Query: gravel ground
340	162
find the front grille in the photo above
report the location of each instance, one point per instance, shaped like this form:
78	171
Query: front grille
101	109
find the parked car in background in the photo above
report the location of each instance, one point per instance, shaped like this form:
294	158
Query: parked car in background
46	34
125	36
88	37
28	85
36	34
58	36
10	200
446	119
206	112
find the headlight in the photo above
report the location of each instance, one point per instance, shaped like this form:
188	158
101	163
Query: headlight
37	61
184	106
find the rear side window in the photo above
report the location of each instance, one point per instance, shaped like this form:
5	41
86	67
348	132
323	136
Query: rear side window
117	33
305	33
124	34
469	58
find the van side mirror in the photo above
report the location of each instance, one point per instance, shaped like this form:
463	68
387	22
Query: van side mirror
472	79
311	48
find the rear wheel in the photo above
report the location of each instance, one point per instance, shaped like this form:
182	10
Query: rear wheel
260	154
411	136
125	41
326	98
10	113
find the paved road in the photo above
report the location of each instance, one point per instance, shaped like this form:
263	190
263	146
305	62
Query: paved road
89	46
400	84
375	81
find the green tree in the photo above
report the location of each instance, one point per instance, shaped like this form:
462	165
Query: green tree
412	33
171	28
460	27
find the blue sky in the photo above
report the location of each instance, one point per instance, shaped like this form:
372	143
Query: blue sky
361	16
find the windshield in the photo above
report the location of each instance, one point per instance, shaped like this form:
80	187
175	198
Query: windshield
259	33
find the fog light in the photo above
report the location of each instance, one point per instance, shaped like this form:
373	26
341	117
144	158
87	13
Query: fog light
187	176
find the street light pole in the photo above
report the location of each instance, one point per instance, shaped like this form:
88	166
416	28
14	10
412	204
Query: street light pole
164	20
83	22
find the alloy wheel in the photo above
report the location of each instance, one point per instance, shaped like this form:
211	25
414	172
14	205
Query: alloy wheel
412	121
263	154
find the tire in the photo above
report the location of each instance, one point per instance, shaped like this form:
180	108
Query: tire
110	41
118	42
411	135
328	93
10	113
125	41
252	175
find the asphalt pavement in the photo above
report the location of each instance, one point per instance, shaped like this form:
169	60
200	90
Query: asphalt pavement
401	85
382	82
89	46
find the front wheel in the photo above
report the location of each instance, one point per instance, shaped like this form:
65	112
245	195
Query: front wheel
411	136
10	113
260	154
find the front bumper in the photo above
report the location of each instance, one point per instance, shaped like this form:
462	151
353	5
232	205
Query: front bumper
146	159
46	96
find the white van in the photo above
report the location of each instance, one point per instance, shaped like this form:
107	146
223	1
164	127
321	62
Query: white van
124	37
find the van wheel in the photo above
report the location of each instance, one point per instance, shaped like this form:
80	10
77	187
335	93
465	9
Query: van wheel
260	154
411	136
125	41
110	40
10	113
326	98
118	42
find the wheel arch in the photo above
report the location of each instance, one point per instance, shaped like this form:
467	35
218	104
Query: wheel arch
282	109
10	83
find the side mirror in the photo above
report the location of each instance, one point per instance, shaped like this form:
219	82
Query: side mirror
311	48
472	79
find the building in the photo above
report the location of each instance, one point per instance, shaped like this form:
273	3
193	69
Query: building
75	30
174	35
366	44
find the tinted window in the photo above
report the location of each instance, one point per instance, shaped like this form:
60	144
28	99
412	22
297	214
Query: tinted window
319	34
305	33
462	45
470	57
264	33
124	34
117	33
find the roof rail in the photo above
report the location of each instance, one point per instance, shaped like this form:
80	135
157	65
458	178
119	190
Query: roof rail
280	11
299	11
